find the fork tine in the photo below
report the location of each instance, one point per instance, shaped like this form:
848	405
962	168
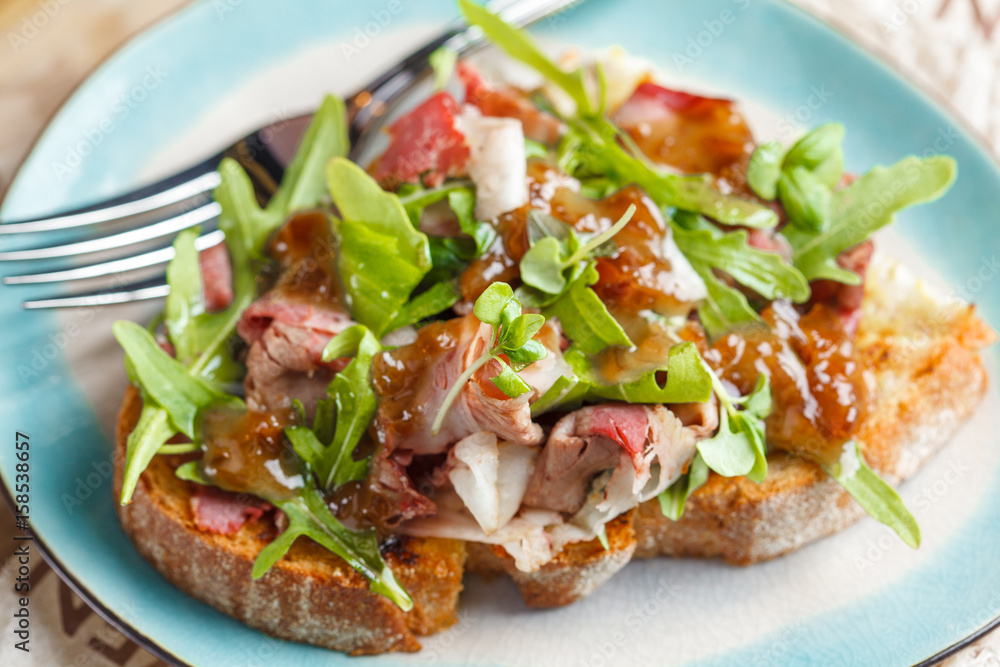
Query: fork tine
147	233
188	189
153	288
152	258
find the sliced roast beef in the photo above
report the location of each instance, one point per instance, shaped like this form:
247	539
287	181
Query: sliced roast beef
509	102
284	364
426	145
399	499
223	512
216	277
602	460
413	380
319	322
702	419
289	326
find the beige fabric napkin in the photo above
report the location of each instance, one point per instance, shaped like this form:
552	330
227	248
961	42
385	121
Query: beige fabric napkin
950	47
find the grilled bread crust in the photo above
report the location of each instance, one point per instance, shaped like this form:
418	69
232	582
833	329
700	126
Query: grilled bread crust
923	354
927	377
311	595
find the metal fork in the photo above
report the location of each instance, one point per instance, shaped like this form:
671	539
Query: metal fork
156	213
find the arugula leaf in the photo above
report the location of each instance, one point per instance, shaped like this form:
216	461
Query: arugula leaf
708	249
551	261
304	183
584	317
192	472
820	153
739	446
462	201
518	45
540	225
592	147
759	402
725	308
151	433
442	62
688	381
696	193
382	258
764	169
200	339
165	380
764	272
557	271
863	207
728	452
806	198
355	400
566	393
673	499
543	265
184	302
513	338
872	492
534	148
308	515
340	422
449	255
243	222
439	297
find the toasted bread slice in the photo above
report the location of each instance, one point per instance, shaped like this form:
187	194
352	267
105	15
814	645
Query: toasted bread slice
310	595
924	354
578	570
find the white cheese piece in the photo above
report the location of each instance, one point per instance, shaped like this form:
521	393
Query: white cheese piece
497	162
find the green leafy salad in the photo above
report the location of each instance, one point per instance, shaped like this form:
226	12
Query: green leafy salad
521	264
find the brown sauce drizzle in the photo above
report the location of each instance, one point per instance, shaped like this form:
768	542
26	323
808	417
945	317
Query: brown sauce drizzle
500	261
820	394
635	279
305	249
245	452
711	136
638	276
360	505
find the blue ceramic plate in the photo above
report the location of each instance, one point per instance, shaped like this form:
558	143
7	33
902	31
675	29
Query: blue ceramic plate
199	79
